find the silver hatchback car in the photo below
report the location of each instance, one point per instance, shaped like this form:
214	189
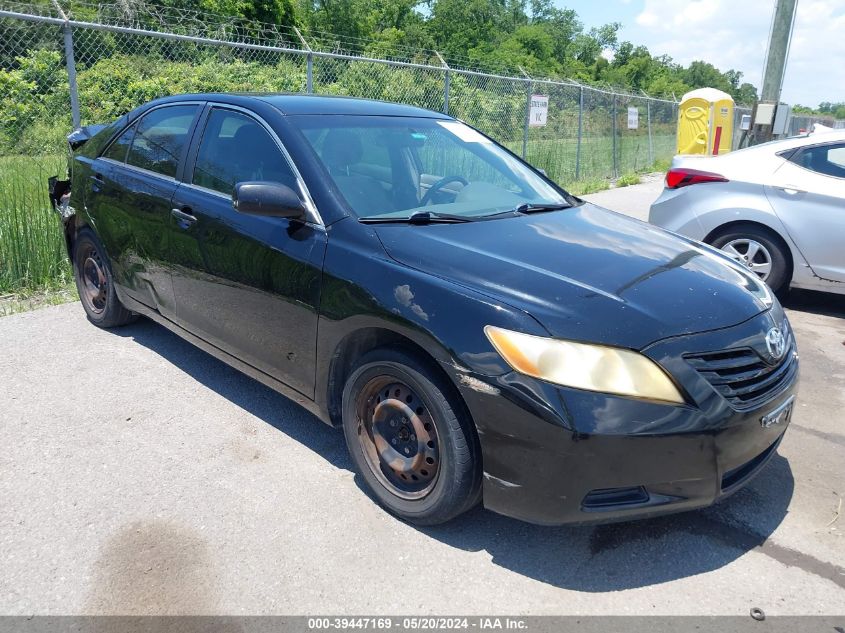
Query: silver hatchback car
777	208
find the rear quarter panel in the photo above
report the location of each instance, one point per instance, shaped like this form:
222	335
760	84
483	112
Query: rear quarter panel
699	211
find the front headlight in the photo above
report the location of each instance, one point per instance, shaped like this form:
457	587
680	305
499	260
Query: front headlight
584	366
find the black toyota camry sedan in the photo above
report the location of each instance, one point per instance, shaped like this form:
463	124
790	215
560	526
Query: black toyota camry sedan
479	334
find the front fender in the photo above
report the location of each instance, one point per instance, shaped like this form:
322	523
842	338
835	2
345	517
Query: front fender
363	288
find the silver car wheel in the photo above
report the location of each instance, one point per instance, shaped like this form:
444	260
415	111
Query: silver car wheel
751	254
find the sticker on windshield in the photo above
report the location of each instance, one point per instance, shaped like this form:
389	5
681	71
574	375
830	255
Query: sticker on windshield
464	132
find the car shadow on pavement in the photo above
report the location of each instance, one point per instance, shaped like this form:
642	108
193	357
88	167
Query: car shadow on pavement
618	556
821	303
250	395
588	558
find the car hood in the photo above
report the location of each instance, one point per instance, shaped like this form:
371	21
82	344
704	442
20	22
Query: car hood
585	273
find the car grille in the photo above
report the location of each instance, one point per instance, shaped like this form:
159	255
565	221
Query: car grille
742	376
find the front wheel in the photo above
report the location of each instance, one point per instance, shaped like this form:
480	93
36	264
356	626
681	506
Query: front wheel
409	438
94	281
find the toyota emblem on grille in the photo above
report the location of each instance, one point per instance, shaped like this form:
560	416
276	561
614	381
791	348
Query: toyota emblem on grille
776	343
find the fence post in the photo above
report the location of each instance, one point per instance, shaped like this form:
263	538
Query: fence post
309	73
580	133
648	121
70	63
446	82
71	77
309	63
615	158
527	119
529	89
675	115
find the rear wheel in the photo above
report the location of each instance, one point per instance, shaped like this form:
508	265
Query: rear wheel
95	283
760	251
410	439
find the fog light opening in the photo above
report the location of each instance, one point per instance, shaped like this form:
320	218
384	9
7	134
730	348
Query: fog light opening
610	498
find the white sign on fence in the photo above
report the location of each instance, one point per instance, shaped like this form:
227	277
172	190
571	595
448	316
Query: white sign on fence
633	118
539	111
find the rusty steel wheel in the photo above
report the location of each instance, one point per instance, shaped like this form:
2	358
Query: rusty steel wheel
94	284
410	436
398	437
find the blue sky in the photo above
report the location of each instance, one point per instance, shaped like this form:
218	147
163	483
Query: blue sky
734	34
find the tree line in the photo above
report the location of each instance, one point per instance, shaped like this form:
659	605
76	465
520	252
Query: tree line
502	35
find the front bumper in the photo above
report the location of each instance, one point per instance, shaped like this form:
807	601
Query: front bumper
553	455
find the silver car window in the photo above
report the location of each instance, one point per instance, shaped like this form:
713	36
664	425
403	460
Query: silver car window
828	160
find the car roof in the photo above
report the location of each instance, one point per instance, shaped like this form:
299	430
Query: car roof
314	104
813	138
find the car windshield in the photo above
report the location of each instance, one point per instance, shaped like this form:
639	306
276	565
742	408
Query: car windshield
395	167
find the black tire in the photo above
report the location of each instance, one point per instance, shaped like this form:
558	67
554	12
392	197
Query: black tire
95	283
781	263
437	432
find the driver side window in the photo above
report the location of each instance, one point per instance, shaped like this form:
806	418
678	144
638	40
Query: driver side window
236	148
359	162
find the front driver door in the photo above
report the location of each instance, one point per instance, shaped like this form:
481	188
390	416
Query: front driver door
809	197
249	285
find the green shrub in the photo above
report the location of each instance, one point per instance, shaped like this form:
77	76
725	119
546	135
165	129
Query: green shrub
626	180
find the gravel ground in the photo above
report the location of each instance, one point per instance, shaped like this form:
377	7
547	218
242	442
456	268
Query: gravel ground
139	475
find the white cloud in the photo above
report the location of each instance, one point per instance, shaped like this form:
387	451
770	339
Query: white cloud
818	47
731	34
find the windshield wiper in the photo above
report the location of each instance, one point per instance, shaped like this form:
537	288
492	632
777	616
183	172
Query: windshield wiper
420	217
527	207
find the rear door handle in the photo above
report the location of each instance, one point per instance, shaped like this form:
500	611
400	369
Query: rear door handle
97	182
185	220
791	190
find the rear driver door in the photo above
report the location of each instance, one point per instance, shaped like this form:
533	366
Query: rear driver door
129	200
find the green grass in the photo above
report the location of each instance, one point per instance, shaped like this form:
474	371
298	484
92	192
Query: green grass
584	187
557	156
626	180
32	249
662	164
27	300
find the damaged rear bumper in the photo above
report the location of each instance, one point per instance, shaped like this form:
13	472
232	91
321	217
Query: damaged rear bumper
59	193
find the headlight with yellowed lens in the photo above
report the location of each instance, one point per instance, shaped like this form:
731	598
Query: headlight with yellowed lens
584	366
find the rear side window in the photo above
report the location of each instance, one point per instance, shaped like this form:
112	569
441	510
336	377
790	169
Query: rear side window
828	160
117	150
236	148
160	138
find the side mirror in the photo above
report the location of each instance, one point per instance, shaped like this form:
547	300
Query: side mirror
267	198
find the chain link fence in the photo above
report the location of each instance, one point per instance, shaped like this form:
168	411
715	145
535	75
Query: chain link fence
799	123
58	71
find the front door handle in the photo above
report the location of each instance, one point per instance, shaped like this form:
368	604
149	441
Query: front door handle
791	190
185	220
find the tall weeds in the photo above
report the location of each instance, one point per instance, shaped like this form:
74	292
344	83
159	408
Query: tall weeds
32	250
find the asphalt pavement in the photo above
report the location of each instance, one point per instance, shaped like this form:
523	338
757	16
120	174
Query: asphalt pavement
139	475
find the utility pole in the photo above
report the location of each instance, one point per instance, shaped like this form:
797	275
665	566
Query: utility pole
776	56
781	34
